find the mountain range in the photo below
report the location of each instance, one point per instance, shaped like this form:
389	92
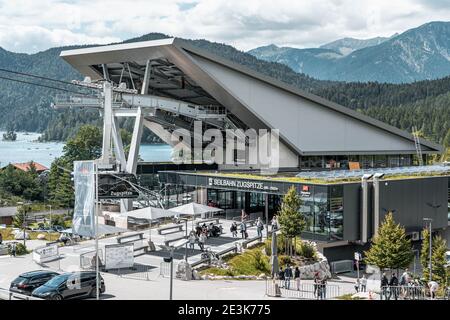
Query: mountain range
27	107
417	54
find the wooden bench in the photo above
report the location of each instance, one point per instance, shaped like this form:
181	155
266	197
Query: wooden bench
177	226
168	241
207	221
199	262
248	241
226	251
138	249
130	237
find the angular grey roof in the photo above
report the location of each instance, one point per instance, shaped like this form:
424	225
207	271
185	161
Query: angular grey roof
193	62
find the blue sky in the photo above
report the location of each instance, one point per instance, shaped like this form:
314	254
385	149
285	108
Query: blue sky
30	26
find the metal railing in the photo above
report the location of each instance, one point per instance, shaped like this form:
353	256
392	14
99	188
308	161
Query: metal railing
87	259
310	291
137	271
341	266
403	293
164	269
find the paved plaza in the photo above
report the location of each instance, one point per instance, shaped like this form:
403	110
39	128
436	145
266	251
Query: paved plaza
151	284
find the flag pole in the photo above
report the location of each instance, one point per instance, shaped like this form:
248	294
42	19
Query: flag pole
96	234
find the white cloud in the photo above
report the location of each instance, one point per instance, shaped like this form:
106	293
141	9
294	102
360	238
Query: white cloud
29	26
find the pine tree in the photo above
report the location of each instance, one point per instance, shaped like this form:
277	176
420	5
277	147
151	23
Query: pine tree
390	248
291	220
438	261
438	258
425	253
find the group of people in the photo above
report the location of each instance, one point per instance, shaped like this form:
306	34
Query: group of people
361	284
285	276
243	226
202	233
407	287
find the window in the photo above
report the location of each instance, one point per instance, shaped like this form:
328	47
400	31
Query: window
336	212
380	161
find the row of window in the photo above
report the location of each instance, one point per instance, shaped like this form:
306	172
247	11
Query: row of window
365	161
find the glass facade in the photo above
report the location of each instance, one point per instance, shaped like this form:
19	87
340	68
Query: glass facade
323	208
365	161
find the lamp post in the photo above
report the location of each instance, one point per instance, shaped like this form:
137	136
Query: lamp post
51	224
430	249
435	207
170	259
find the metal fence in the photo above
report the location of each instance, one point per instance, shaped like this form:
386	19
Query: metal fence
137	271
87	259
341	266
164	269
403	293
280	288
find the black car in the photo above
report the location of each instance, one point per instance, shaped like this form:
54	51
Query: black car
71	285
28	281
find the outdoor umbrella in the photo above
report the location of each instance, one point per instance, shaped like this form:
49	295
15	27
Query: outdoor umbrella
274	257
102	230
195	209
151	213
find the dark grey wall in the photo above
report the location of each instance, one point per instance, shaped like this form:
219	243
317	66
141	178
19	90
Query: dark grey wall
409	198
352	204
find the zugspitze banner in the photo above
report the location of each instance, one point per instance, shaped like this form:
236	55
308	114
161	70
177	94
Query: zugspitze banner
84	213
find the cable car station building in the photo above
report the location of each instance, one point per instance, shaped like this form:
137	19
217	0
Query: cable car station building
348	168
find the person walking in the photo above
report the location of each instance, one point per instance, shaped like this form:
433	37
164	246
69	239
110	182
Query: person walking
324	287
393	286
357	285
192	240
13	249
434	287
233	229
259	226
287	277
274	223
202	241
363	283
243	215
384	286
243	230
1	238
281	277
316	284
297	276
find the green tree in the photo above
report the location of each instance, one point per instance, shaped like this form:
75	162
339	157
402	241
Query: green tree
438	258
85	145
291	220
390	248
425	253
439	261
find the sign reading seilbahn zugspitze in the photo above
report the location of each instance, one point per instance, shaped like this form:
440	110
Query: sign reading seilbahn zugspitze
240	184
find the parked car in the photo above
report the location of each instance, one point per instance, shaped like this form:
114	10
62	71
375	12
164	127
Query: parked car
70	285
28	281
58	228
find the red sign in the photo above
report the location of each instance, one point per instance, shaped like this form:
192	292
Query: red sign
305	188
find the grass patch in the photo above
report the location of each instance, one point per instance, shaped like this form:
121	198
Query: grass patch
7	234
349	296
251	263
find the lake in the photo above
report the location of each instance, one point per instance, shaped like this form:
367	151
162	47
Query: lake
25	149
